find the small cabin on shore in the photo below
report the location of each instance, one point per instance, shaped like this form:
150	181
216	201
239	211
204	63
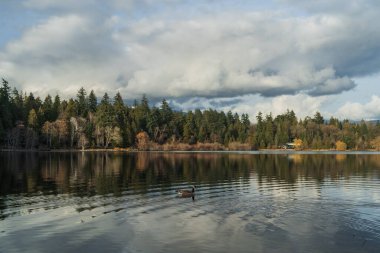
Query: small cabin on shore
289	145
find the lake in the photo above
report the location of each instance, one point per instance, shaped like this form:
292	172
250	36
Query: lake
244	202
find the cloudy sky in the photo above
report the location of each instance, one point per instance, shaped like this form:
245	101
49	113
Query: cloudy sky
243	55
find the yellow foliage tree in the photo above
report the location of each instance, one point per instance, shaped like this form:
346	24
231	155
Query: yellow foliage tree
298	143
340	145
375	143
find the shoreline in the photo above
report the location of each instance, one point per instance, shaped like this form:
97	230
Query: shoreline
129	150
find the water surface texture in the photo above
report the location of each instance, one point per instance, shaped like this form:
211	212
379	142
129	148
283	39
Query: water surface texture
244	202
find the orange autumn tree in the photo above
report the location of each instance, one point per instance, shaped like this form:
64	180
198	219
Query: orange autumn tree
340	145
142	141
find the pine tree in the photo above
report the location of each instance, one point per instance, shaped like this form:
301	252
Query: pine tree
153	127
82	103
47	110
105	113
56	107
260	128
166	112
92	102
5	108
105	119
17	102
141	113
318	119
189	129
121	118
269	131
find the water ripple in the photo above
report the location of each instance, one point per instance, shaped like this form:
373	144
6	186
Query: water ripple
236	203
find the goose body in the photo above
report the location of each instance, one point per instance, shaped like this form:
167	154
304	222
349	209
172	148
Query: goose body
186	193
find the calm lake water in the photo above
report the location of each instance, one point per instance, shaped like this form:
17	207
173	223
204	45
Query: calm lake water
244	202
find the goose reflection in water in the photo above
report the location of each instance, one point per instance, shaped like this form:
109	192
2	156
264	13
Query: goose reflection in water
184	193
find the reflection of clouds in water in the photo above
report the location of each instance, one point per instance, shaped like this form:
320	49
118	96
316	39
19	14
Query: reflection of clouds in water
357	190
228	224
243	202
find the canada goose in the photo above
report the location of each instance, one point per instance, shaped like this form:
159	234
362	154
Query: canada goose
186	193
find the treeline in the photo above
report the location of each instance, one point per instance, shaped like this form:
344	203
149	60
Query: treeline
27	122
315	132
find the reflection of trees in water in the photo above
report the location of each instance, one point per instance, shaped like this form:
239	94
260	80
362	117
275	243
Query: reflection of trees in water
13	176
84	174
318	166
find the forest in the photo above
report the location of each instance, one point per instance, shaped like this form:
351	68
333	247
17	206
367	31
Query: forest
86	122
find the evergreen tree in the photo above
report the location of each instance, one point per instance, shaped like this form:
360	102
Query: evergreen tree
17	102
92	102
6	120
82	103
121	118
189	129
166	113
243	128
153	126
56	107
38	103
105	114
141	113
260	129
318	119
48	110
105	121
269	131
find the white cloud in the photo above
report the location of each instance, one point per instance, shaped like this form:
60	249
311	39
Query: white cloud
43	40
302	104
82	5
62	53
359	111
336	6
67	4
220	56
178	52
